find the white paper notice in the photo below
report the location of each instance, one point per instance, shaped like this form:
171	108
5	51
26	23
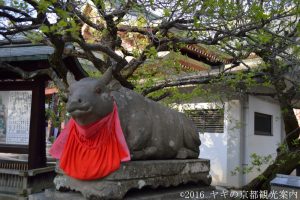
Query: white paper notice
18	117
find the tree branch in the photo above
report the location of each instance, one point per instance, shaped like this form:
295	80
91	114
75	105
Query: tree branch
17	19
143	31
41	17
18	29
120	13
161	97
14	10
108	51
86	20
197	79
133	65
31	75
98	63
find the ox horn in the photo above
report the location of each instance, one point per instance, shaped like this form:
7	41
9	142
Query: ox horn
107	76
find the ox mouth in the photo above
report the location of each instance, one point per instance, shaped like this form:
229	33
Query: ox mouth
79	110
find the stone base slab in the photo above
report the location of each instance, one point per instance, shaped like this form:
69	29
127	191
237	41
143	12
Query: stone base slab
139	174
188	191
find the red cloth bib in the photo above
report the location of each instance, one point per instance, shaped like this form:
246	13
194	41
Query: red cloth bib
92	151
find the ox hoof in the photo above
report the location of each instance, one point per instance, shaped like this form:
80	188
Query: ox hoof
144	154
184	153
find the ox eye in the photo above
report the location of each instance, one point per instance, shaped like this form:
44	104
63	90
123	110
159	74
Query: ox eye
98	90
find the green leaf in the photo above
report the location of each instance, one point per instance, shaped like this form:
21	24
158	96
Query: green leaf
152	53
151	2
197	22
35	37
167	12
43	5
44	29
100	4
53	28
62	23
141	21
62	13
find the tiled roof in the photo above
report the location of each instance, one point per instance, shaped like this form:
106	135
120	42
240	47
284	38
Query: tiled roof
209	52
24	52
189	63
36	52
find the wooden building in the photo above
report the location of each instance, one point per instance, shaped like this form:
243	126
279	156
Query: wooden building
22	117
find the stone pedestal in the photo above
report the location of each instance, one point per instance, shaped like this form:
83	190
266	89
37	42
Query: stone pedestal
139	174
287	185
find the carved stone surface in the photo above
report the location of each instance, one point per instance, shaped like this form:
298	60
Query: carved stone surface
152	131
175	193
138	174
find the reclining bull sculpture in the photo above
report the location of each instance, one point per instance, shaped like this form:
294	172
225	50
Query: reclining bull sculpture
151	130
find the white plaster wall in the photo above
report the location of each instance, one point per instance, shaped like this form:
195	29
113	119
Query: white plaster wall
233	128
261	145
214	148
223	149
232	148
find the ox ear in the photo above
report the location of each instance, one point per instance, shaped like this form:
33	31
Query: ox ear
70	78
107	76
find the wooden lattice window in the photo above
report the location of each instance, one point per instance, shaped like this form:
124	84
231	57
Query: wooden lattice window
207	120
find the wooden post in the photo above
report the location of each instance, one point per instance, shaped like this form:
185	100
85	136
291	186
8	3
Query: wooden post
37	141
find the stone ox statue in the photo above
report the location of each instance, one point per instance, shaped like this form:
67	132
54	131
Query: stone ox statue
151	130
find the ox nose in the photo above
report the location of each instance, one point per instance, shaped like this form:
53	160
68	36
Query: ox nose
74	104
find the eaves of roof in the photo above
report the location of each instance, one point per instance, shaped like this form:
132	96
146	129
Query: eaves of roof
185	62
188	63
37	52
25	52
209	52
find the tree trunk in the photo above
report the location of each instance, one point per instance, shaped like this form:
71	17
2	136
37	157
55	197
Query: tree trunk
284	163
